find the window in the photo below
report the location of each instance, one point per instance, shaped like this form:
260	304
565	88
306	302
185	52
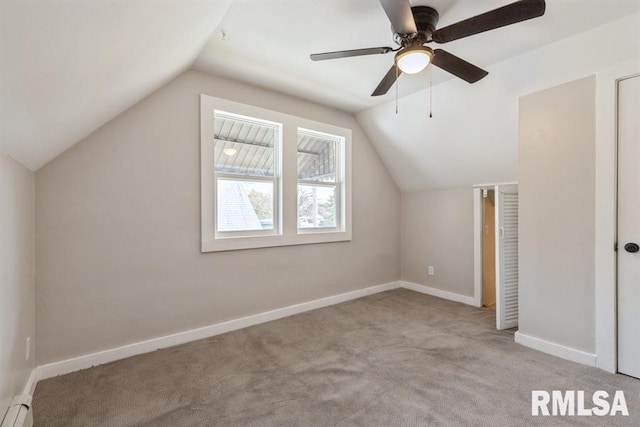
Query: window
319	178
246	171
271	179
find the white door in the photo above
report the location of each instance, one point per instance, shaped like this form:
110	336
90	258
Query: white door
629	227
506	202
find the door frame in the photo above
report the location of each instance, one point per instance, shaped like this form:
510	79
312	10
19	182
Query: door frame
477	238
606	315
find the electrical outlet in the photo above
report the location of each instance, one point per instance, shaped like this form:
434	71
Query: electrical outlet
27	353
430	270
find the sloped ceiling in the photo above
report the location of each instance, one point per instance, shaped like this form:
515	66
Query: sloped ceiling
268	43
67	67
472	137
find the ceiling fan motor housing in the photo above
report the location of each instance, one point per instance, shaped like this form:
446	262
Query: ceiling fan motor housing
426	19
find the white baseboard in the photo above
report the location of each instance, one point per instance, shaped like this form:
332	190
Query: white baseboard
557	350
423	289
88	360
101	357
30	386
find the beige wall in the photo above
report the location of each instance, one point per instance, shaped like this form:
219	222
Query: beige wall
557	214
17	313
437	230
118	230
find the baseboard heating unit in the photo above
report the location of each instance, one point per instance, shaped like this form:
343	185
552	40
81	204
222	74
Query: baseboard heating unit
19	412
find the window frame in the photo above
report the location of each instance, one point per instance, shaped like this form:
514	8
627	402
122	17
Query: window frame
338	182
286	232
230	176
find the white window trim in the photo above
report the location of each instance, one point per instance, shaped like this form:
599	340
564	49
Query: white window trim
286	233
338	183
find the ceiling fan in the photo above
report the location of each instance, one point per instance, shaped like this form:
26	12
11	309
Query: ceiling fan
413	27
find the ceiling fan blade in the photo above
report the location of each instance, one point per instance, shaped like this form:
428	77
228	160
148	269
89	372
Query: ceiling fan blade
457	66
349	53
387	81
400	15
503	16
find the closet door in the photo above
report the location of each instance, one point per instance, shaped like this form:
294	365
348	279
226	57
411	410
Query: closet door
506	256
629	227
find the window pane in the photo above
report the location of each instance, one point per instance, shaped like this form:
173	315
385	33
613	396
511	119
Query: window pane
244	205
316	206
244	145
317	156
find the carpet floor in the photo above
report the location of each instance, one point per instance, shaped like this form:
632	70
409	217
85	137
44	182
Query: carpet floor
397	358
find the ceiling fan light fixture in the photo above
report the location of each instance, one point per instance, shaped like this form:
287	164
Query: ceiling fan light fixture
413	59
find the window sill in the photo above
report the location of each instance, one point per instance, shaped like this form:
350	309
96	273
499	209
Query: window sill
256	242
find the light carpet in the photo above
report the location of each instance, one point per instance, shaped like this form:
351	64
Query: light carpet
398	358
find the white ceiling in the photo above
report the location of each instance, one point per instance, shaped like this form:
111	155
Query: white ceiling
268	43
67	67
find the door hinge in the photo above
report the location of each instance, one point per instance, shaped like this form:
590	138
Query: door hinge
615	247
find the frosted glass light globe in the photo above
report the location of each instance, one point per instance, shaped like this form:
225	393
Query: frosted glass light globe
414	59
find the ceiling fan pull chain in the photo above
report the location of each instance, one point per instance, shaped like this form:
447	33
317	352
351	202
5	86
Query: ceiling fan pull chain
430	92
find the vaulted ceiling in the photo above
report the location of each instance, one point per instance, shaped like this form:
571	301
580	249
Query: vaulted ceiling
69	67
268	43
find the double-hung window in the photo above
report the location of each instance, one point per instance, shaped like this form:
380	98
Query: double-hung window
271	179
246	173
319	181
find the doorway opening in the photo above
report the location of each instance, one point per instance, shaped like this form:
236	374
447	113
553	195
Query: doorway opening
496	251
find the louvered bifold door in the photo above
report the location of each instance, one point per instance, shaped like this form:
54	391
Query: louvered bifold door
507	256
